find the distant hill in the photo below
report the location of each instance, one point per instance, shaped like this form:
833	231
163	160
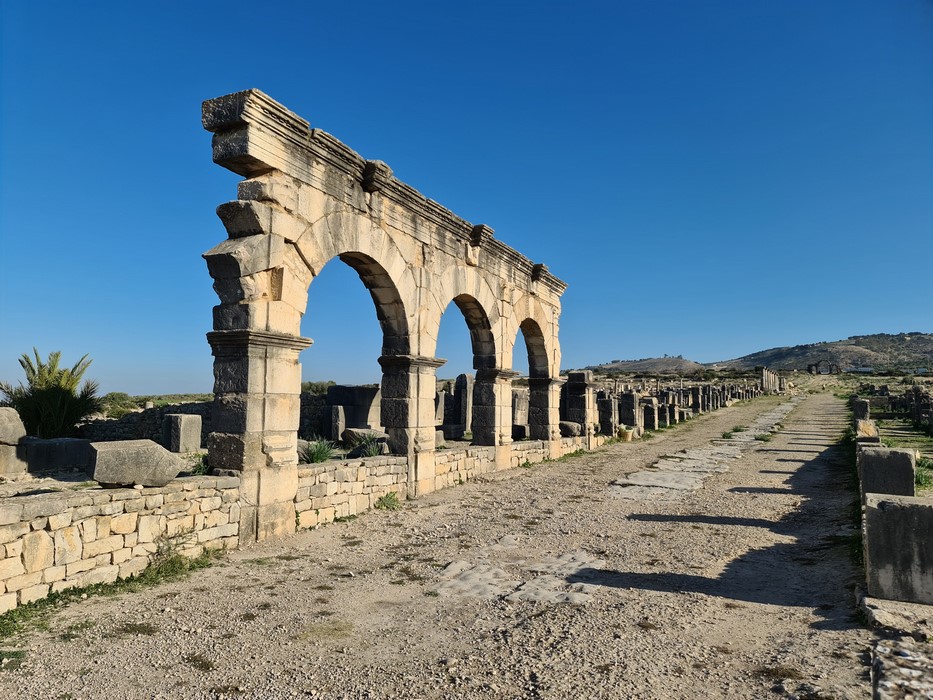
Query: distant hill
904	352
652	365
881	351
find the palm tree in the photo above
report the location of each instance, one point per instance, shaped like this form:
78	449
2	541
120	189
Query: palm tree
50	403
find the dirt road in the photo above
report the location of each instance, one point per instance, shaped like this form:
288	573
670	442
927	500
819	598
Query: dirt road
546	582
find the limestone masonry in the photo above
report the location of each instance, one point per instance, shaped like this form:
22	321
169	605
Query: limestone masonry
307	198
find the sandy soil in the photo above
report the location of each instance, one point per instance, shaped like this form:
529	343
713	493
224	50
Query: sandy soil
547	582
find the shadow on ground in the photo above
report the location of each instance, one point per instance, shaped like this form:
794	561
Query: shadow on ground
811	571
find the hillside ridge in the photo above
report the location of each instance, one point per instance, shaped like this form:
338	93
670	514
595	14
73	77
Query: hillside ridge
904	352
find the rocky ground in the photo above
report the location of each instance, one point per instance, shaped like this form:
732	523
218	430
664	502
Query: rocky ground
725	572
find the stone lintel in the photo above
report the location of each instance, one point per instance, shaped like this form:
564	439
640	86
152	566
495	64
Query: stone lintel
223	342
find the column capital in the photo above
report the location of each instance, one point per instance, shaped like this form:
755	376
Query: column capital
409	361
234	340
494	374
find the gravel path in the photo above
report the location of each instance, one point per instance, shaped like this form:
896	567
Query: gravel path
548	582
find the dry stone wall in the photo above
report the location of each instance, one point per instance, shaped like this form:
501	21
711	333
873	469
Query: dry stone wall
53	541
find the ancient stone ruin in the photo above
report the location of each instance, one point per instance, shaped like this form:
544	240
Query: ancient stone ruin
305	200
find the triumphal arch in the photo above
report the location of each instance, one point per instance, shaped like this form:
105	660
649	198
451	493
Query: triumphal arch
305	200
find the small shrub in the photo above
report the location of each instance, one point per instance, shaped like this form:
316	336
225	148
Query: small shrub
200	466
369	446
388	501
738	428
764	437
318	450
726	435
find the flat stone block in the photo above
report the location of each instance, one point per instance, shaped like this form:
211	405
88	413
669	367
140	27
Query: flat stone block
885	470
129	462
898	541
59	453
181	432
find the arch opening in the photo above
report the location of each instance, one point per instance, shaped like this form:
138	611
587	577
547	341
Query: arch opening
348	349
462	396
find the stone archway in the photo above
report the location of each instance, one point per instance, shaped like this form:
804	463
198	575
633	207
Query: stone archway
305	200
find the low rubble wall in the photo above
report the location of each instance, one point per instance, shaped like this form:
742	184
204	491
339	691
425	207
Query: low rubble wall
53	541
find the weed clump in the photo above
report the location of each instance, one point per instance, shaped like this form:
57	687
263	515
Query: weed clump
317	450
388	501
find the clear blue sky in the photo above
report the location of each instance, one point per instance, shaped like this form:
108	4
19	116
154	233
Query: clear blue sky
711	178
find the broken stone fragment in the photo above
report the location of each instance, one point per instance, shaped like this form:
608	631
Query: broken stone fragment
570	429
354	436
12	432
133	462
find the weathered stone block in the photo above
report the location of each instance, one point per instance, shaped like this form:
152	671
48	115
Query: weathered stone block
898	548
10	567
68	545
887	471
38	551
33	593
58	453
866	431
181	432
123	524
570	429
103	546
129	462
10	513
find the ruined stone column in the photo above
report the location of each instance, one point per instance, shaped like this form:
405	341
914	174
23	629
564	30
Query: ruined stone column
629	412
580	403
492	394
544	412
608	410
257	382
649	408
409	385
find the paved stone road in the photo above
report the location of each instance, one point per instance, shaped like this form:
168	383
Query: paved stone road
536	583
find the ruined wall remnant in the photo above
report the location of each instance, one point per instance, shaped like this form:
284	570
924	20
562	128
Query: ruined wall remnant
305	200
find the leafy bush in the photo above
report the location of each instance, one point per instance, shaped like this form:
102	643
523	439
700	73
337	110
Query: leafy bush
318	450
117	404
317	387
50	404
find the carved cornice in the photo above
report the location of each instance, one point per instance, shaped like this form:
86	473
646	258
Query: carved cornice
253	134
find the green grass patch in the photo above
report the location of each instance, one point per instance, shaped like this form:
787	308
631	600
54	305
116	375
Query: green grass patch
923	477
727	435
764	437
